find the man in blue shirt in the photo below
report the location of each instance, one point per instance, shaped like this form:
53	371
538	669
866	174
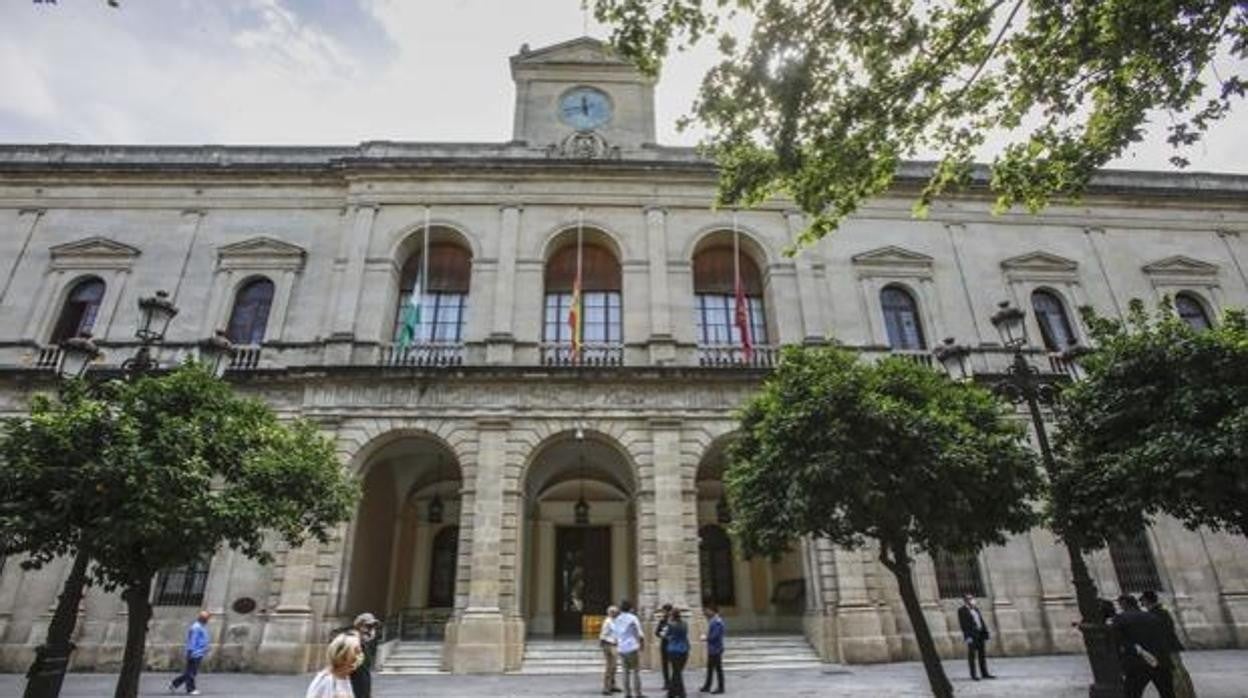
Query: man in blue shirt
714	649
197	642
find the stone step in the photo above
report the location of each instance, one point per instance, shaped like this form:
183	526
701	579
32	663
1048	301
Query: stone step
413	658
745	653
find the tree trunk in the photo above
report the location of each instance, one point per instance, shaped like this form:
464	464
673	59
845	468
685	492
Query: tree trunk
139	610
899	564
47	672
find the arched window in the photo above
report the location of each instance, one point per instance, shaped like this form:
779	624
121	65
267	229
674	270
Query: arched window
901	319
714	289
1054	325
1133	563
250	315
442	568
715	559
445	298
600	292
957	574
80	309
1192	311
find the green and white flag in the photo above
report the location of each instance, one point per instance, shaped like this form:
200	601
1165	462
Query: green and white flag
409	327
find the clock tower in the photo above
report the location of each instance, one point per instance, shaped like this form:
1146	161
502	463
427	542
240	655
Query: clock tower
579	99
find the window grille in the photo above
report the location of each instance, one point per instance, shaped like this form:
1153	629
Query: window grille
957	574
1133	564
182	586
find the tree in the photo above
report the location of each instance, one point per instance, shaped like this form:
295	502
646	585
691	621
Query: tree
53	488
891	454
1159	425
827	98
186	467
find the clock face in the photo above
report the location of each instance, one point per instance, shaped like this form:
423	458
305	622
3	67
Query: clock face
584	108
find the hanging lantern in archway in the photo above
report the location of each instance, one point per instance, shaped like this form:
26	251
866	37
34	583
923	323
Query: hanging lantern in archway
435	509
723	513
581	510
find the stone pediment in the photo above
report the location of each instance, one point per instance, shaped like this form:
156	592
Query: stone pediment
1180	265
260	253
581	50
95	252
893	261
892	255
1039	262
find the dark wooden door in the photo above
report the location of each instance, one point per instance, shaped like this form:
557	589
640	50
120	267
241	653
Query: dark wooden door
582	575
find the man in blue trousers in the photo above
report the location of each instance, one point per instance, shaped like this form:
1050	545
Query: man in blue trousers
197	642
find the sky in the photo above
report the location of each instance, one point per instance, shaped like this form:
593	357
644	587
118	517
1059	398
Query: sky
287	72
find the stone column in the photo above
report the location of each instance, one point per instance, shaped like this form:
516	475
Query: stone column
619	560
662	344
543	620
352	280
814	328
501	341
479	638
28	219
288	644
672	548
860	629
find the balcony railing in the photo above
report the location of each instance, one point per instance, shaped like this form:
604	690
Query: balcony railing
733	356
921	357
427	354
560	354
48	358
246	357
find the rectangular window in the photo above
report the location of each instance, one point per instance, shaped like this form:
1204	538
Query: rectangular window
441	317
1133	564
601	321
716	319
957	574
182	586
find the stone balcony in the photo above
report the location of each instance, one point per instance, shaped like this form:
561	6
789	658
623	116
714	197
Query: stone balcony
988	360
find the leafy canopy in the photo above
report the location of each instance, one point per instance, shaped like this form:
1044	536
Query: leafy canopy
160	472
1159	426
894	452
825	98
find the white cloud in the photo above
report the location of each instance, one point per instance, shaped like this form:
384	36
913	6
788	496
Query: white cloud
323	71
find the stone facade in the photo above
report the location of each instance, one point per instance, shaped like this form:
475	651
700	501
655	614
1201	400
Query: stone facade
505	432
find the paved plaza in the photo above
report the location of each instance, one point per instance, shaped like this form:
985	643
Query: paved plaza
1219	674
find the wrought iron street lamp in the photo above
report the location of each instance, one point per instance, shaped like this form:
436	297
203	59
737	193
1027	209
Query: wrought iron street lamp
77	353
1023	384
215	353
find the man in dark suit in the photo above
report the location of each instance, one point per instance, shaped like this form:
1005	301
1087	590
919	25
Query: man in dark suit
1144	644
975	634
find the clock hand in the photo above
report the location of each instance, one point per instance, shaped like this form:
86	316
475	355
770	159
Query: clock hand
584	105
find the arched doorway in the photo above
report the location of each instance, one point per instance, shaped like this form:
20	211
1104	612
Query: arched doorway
580	549
753	595
404	554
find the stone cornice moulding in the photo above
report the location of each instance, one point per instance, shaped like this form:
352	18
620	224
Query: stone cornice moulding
261	252
892	261
95	252
1181	270
1041	266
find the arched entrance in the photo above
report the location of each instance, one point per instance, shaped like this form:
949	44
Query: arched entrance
404	553
754	595
580	549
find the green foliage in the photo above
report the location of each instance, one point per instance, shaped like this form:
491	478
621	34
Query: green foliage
161	472
1159	426
826	98
893	452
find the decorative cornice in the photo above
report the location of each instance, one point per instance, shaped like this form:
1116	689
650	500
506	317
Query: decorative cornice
95	252
261	252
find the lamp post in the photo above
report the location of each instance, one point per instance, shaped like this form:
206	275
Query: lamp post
1022	384
47	672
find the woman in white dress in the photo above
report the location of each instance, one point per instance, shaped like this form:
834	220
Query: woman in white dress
334	681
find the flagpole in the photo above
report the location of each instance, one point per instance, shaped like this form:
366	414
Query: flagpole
580	255
424	264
